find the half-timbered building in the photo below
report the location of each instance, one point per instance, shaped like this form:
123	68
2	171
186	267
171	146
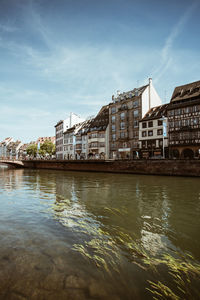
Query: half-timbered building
184	121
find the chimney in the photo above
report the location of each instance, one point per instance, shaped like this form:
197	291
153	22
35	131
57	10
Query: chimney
70	120
113	97
150	89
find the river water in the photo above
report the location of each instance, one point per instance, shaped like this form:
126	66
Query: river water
81	235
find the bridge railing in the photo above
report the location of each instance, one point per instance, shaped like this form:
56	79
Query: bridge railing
9	159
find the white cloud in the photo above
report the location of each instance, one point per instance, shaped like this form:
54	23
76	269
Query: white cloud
166	52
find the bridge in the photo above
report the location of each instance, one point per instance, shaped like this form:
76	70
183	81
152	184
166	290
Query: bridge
12	162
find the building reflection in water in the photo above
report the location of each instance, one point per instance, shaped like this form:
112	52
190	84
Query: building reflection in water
101	224
141	207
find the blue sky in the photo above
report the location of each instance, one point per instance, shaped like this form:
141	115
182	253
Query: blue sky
63	56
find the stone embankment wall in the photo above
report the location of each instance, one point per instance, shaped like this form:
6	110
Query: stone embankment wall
147	167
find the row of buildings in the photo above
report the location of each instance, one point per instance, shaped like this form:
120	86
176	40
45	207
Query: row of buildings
135	125
16	149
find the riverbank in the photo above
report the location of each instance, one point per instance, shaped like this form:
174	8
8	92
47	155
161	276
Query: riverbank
145	167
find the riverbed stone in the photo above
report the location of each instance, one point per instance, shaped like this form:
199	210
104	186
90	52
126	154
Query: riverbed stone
53	281
75	282
16	296
96	290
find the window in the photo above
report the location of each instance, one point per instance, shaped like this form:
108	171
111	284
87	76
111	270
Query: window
114	137
171	113
187	122
160	122
143	144
135	113
144	133
124	106
144	125
94	135
159	132
150	133
151	144
122	116
113	110
195	108
124	145
150	124
135	124
135	104
113	127
113	119
122	125
122	135
188	109
102	145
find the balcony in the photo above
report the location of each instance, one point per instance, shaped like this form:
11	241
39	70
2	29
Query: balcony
79	147
93	146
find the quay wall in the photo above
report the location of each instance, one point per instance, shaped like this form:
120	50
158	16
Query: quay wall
146	167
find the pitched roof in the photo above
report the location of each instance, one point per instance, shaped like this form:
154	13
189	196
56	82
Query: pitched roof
100	122
13	145
130	94
41	140
187	91
58	123
83	129
74	129
156	112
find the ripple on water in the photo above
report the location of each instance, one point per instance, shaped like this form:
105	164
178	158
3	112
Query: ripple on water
77	235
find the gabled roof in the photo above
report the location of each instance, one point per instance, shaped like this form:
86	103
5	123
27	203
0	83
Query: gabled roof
187	91
13	145
83	129
74	129
100	122
130	94
156	112
41	140
58	123
6	141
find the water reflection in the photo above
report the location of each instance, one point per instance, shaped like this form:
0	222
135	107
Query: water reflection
94	232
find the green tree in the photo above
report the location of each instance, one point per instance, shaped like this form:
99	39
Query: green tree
42	152
32	150
48	147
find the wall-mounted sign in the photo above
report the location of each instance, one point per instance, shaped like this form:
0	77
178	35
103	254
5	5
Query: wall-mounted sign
124	149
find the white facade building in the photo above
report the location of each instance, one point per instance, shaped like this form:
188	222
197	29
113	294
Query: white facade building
4	147
153	133
60	128
69	144
14	148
